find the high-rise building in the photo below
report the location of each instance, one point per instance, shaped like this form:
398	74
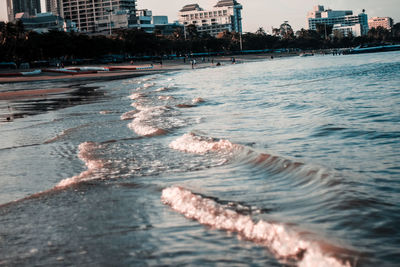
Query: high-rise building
54	7
29	7
385	22
93	16
338	19
225	15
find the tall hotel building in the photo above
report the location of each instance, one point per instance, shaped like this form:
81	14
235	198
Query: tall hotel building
30	7
376	22
342	20
96	15
225	15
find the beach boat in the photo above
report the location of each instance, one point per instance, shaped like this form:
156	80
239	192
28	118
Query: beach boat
29	73
306	54
129	68
69	71
374	49
25	73
90	68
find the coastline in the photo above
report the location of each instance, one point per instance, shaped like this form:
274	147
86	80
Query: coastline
14	89
167	66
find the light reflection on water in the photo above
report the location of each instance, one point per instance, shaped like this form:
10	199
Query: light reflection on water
318	152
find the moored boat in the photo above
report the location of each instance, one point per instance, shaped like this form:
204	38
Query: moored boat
374	49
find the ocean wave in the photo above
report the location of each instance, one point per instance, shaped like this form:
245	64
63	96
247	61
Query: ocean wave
285	243
142	129
200	145
87	151
129	115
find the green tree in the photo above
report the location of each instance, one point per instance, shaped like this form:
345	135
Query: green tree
191	32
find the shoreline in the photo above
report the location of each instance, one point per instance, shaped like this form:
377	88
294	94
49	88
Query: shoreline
167	66
21	88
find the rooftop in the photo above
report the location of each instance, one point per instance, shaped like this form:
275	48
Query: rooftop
191	7
223	3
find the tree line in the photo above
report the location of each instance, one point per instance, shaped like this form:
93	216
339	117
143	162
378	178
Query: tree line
18	45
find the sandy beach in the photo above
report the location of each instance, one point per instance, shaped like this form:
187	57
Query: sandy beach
125	71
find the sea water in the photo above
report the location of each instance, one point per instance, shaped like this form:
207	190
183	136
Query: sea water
292	161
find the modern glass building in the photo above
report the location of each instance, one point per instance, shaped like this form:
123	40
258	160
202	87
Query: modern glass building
30	7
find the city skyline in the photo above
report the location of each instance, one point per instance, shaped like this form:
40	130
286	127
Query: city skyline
258	13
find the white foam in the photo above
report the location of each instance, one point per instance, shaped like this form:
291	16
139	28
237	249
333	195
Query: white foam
86	154
283	242
128	115
197	100
142	129
136	96
161	89
200	145
146	113
147	85
163	97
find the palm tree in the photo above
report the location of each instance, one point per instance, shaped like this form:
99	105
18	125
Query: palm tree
286	30
275	31
261	31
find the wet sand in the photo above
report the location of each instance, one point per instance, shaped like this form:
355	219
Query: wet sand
167	65
23	95
28	94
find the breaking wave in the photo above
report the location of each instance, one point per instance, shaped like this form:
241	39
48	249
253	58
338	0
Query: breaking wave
87	152
200	145
285	243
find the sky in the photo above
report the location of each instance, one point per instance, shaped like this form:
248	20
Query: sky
267	14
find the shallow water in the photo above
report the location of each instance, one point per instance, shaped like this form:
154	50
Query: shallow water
292	161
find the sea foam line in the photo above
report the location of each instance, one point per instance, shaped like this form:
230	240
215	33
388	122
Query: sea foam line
283	242
192	143
93	164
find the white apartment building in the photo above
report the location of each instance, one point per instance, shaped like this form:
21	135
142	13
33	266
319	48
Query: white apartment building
225	15
354	30
120	20
338	19
98	15
385	22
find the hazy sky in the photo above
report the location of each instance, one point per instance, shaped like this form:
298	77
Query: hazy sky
265	13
